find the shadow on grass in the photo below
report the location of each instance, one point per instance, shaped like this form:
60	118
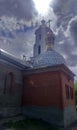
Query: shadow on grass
30	124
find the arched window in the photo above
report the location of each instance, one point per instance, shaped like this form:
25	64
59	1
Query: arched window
9	83
71	93
39	49
5	85
67	91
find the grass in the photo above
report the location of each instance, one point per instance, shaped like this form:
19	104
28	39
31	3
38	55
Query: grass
75	86
30	124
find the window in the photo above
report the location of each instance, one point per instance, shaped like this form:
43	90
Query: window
9	83
5	85
67	91
39	49
71	93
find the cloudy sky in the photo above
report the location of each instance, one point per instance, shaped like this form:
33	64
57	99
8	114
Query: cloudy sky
20	18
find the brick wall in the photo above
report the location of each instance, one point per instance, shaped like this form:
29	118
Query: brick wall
44	95
42	89
66	80
10	99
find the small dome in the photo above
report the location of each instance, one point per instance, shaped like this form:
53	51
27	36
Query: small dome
50	37
50	34
48	58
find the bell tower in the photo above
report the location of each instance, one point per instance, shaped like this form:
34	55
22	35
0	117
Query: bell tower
44	36
39	45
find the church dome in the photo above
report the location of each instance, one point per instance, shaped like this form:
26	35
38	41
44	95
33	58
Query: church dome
48	58
44	53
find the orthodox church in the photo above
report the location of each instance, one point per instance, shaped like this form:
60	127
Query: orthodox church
41	88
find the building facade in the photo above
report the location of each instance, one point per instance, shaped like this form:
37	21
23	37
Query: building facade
41	88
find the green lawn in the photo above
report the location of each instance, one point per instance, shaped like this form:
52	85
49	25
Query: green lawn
30	124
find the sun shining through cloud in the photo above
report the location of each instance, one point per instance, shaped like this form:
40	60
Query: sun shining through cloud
42	6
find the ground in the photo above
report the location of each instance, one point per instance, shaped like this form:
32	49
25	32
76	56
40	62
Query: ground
29	124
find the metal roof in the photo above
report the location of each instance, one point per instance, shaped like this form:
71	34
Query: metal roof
12	60
48	58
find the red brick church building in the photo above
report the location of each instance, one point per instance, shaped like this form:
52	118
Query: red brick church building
41	88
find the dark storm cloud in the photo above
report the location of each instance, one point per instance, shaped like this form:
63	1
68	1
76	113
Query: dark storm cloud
73	29
69	51
73	35
66	12
72	60
21	44
17	8
67	47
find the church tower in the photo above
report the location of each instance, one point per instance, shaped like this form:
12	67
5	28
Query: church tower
40	36
44	53
49	86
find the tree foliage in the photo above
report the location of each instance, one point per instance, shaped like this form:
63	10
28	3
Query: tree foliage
75	91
